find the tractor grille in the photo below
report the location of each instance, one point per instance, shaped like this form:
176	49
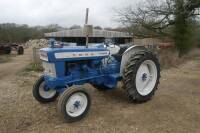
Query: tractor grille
49	69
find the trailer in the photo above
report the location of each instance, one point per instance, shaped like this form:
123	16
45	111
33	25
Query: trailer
6	48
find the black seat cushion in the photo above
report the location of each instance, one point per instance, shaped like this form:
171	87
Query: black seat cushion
118	56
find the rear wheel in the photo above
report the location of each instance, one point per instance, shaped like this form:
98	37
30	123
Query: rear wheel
43	94
74	104
20	50
7	50
141	76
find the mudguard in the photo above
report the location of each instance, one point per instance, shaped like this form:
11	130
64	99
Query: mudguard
127	54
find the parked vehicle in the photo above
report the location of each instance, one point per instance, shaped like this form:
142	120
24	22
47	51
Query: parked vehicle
67	69
7	48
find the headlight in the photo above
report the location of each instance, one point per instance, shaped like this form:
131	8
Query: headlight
43	55
49	69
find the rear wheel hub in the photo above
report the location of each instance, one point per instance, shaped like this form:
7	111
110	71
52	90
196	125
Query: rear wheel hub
146	77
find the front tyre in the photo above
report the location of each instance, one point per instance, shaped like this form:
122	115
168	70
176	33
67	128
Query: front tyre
43	94
141	76
74	104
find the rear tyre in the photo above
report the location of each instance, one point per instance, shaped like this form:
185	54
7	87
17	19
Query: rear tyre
141	76
42	94
74	104
7	50
20	50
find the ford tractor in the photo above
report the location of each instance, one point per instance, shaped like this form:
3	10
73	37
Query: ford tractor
67	69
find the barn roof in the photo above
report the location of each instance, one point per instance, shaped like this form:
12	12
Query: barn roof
96	33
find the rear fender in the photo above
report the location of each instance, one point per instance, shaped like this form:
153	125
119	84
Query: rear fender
127	54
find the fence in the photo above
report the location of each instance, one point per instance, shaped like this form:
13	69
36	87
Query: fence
36	55
154	43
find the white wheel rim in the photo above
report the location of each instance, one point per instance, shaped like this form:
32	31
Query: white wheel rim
76	104
146	77
46	94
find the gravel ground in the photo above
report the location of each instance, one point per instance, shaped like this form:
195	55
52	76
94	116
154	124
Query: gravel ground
175	108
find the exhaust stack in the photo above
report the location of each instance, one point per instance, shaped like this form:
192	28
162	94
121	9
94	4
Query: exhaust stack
88	29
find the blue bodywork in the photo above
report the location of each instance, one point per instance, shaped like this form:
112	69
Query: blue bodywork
79	65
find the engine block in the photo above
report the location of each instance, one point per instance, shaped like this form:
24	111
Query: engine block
65	67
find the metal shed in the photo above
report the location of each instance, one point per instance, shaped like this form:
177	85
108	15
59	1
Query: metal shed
98	36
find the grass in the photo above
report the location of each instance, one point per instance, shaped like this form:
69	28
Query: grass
169	57
33	67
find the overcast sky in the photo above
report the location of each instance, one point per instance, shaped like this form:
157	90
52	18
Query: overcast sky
62	12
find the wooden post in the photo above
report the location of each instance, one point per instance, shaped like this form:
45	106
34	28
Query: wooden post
86	22
86	17
34	55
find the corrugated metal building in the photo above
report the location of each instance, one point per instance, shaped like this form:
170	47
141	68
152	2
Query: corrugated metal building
98	36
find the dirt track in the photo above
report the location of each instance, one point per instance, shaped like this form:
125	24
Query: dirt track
174	109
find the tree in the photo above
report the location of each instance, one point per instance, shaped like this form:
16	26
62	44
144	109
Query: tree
54	27
162	18
13	33
184	13
108	28
98	27
75	27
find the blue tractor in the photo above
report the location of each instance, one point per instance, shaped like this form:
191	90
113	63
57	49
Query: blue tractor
67	68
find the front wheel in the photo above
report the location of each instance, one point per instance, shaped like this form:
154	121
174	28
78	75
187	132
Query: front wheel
42	93
74	104
20	50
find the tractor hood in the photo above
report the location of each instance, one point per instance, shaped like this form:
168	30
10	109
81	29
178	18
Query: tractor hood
73	53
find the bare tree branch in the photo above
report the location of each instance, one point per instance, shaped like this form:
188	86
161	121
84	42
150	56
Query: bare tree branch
155	16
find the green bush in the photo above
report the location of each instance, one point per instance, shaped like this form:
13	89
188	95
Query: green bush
34	67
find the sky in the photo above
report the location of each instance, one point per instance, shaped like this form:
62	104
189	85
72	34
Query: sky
63	12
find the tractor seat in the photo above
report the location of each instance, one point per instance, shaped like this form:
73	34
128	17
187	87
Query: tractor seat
118	56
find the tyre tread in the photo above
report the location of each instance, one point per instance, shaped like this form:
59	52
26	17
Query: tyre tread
130	74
